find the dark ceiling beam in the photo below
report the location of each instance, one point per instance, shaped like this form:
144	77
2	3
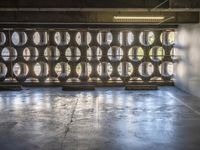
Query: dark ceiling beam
33	26
82	4
104	9
184	4
94	17
99	4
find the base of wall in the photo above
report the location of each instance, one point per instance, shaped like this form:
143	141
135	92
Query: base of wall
96	84
141	87
10	87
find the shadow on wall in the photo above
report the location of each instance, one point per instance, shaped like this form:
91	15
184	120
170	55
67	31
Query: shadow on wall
187	68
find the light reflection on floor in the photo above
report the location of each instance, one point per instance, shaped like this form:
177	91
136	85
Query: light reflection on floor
108	118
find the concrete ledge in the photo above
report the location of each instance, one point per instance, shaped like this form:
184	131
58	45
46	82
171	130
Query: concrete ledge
78	87
95	83
141	87
14	87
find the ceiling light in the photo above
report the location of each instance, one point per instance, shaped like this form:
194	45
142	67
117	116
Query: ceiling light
138	18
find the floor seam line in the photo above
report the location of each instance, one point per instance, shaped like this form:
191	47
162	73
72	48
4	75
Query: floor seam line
186	105
68	124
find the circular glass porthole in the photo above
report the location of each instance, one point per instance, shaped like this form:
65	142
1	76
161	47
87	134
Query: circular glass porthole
62	38
19	38
51	53
94	53
147	38
20	69
62	69
146	69
157	53
40	38
73	53
167	38
41	69
126	38
104	68
135	53
9	54
125	69
166	69
115	53
104	38
83	69
83	38
2	38
3	70
30	53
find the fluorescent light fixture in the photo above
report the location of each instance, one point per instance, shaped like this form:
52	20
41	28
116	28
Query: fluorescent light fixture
139	17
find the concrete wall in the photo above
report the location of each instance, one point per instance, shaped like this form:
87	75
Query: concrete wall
187	68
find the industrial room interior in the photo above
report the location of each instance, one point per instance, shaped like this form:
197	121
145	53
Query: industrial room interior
100	75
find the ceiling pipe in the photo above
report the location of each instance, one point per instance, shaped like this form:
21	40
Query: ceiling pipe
167	19
159	5
104	9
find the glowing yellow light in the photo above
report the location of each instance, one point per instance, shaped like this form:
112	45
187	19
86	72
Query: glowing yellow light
140	17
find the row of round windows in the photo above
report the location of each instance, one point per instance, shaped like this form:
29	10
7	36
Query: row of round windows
146	69
135	53
146	38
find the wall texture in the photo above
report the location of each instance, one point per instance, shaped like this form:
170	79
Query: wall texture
187	68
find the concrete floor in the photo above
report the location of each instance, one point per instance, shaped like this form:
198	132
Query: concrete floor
105	119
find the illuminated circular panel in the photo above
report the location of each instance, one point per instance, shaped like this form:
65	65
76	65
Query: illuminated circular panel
20	69
19	38
125	69
104	38
167	38
36	38
3	70
157	53
135	53
126	38
115	53
83	38
9	54
104	68
62	69
94	53
2	38
174	54
147	38
30	53
166	69
40	38
41	69
73	53
83	69
51	53
62	38
146	69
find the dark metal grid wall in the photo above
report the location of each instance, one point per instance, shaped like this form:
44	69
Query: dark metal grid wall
48	63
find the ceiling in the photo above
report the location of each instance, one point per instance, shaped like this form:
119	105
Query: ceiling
99	4
28	13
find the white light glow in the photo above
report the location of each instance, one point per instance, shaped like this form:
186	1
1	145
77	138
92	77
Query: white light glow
140	17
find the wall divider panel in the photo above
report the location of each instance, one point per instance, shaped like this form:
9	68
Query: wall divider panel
99	56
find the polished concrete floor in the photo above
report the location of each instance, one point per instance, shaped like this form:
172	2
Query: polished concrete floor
105	119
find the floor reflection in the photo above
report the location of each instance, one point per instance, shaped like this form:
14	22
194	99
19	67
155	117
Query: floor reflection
108	118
